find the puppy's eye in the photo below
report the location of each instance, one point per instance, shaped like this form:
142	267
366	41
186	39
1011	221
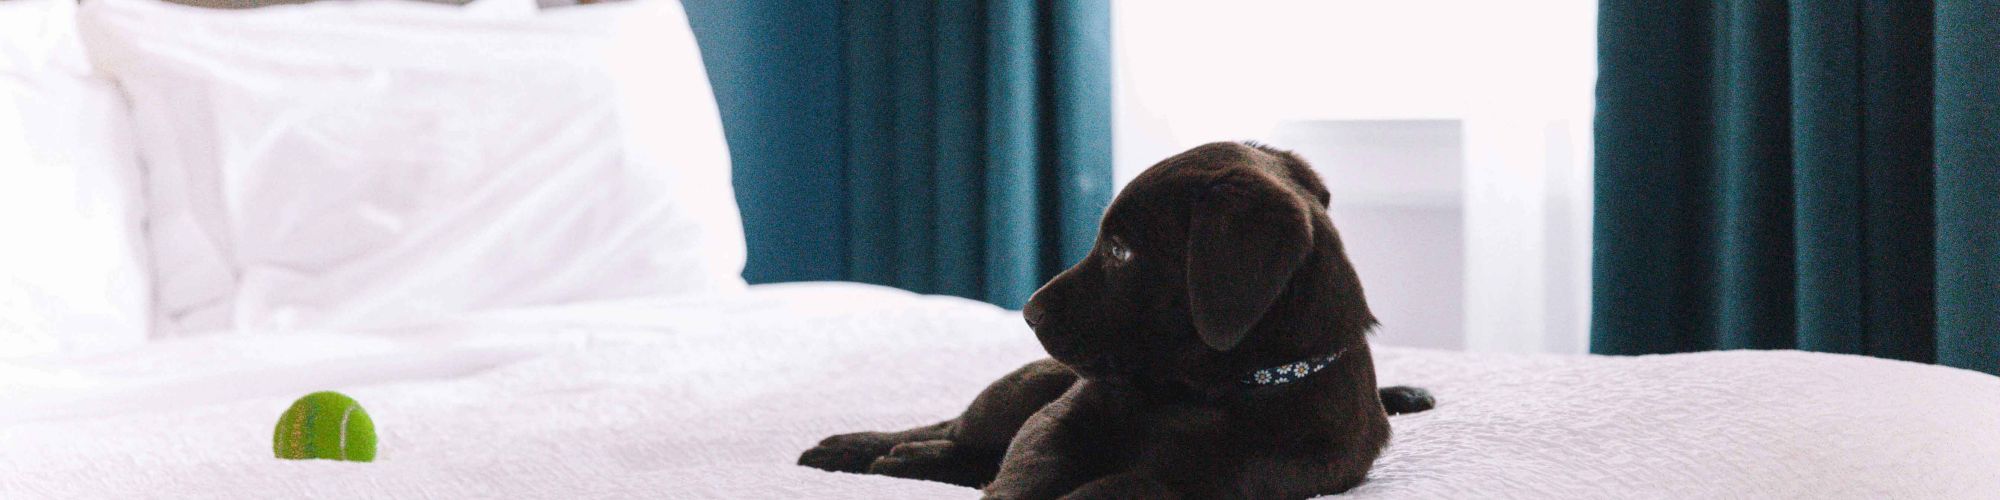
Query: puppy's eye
1119	252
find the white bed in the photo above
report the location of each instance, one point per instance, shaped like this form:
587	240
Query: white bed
715	396
448	167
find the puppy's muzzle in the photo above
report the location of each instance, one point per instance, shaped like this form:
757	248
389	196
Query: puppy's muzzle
1057	344
1034	313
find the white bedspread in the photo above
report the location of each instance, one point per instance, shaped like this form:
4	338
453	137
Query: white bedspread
715	397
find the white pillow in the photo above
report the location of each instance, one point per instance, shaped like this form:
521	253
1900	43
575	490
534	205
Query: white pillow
355	165
72	273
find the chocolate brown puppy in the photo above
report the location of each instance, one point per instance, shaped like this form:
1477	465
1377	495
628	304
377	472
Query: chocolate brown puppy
1213	345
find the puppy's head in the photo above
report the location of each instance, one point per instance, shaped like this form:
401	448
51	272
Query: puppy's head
1212	263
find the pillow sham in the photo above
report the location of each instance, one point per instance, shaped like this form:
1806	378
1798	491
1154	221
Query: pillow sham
72	272
360	165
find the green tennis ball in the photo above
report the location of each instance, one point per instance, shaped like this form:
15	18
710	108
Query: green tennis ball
326	425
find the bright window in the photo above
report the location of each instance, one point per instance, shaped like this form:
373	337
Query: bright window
1453	134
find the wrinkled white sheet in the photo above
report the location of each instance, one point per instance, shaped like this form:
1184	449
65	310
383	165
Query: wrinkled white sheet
715	396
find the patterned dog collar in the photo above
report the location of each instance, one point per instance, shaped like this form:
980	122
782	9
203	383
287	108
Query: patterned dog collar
1290	372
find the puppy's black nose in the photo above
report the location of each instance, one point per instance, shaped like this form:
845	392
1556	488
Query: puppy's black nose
1033	313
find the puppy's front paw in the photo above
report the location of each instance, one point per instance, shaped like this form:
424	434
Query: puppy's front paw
938	460
847	452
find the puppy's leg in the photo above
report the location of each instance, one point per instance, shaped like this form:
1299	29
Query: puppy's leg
939	460
853	452
993	418
970	455
1067	444
984	429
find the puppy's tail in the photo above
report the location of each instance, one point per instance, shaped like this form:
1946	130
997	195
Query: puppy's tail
1405	399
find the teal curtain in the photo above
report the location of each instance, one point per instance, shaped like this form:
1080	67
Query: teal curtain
1819	175
956	147
978	138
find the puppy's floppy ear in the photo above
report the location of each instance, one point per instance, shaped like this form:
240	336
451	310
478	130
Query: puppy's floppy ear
1246	237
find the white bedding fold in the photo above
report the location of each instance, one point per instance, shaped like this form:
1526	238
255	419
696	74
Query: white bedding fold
714	397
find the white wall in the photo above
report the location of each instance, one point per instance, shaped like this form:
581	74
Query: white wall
1515	77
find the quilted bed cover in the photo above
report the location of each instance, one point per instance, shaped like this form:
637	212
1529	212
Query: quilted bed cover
714	396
